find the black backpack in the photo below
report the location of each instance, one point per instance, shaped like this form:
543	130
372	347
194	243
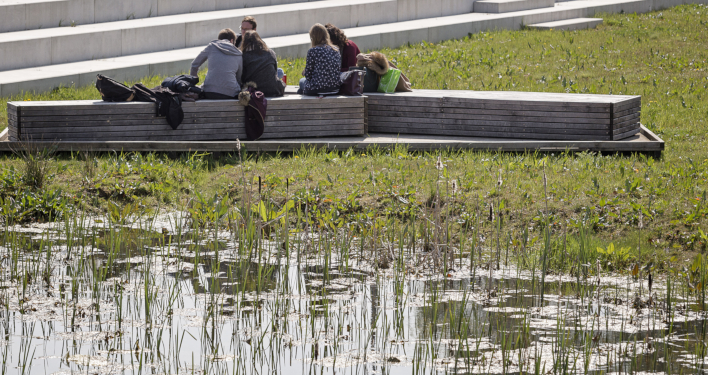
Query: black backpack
169	105
182	83
112	90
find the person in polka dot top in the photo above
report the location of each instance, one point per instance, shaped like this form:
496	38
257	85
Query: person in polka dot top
322	67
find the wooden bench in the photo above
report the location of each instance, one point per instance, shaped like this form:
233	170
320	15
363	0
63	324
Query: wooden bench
505	114
492	114
292	116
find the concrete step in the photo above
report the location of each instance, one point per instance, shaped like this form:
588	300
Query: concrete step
32	48
19	15
571	24
134	67
506	6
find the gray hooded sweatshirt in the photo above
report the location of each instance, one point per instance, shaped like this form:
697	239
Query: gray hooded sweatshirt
225	67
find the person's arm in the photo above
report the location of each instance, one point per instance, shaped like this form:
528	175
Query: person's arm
275	58
198	61
239	70
309	64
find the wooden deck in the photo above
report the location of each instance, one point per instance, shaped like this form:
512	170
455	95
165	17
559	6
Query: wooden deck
423	120
645	142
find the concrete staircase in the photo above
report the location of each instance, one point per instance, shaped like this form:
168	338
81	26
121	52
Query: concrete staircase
506	6
18	15
42	59
567	25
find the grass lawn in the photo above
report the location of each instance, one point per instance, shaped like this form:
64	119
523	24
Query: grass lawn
642	208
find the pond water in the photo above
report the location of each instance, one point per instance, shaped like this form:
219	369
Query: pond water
91	298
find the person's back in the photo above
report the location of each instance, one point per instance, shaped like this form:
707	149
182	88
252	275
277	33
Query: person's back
260	66
322	69
225	64
347	49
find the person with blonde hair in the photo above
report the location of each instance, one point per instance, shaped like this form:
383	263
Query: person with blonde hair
260	65
322	66
223	80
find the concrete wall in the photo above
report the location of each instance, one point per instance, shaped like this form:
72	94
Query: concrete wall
34	48
53	13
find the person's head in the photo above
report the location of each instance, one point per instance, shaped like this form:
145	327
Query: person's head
336	35
320	37
248	23
253	42
227	34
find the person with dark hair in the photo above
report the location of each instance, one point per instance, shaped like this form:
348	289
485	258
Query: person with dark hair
347	49
322	65
247	24
260	65
223	80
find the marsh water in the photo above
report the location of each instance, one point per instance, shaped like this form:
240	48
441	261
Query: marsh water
87	297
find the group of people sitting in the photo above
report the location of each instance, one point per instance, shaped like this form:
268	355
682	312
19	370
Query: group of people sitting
236	60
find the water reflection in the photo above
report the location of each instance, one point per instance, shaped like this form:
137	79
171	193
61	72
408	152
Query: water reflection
131	301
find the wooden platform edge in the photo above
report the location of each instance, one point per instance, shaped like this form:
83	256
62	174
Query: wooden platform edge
655	145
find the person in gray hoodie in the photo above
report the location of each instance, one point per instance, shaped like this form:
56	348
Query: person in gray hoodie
223	80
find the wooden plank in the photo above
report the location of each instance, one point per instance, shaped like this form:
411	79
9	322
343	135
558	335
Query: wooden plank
134	117
326	116
510	131
314	106
323	123
649	143
433	122
626	134
513	103
214	134
78	105
197	137
630	117
317	111
565	120
401	109
301	129
626	128
526	113
34	112
146	122
150	138
496	106
131	128
473	133
627	122
4	135
637	102
308	134
627	112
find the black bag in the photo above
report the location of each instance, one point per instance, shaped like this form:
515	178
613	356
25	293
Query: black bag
352	83
143	94
371	79
112	90
169	105
182	83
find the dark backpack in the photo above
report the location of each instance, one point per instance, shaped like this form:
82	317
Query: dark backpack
112	90
182	83
169	105
371	79
352	83
143	94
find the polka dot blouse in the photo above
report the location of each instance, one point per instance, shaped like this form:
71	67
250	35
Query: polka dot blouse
322	68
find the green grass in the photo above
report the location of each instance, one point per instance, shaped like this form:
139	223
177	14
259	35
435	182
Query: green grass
659	55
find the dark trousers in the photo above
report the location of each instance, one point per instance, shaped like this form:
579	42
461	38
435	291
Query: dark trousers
216	95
